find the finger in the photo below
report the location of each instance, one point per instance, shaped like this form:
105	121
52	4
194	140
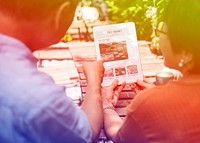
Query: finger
142	83
146	80
101	60
133	85
123	84
137	91
135	88
115	99
114	84
138	84
118	90
116	93
121	87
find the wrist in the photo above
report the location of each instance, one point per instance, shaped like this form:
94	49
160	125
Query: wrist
108	107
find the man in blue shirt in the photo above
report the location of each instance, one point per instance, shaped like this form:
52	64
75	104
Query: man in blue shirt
32	108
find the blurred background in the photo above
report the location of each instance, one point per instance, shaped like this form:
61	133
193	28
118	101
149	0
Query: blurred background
146	14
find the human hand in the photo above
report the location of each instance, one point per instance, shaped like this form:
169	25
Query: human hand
110	94
141	85
94	71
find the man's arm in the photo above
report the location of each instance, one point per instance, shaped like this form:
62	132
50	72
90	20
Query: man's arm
92	104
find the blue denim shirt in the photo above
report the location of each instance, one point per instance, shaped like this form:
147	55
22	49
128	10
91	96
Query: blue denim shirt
32	108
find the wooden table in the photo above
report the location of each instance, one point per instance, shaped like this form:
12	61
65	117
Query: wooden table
57	62
85	51
64	61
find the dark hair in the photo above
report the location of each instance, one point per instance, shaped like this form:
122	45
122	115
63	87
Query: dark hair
32	9
183	21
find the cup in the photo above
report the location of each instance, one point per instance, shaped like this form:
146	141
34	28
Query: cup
162	77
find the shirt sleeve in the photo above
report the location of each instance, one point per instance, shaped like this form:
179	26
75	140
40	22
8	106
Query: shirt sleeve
130	132
35	109
142	114
53	117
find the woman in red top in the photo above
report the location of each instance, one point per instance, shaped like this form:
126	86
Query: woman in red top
168	113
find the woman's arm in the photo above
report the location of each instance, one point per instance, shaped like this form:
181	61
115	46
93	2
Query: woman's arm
112	121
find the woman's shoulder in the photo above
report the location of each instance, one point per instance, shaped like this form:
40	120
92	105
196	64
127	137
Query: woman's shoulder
154	95
161	95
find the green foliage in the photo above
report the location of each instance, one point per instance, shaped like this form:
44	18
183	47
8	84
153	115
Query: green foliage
141	12
144	13
161	9
85	3
66	38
